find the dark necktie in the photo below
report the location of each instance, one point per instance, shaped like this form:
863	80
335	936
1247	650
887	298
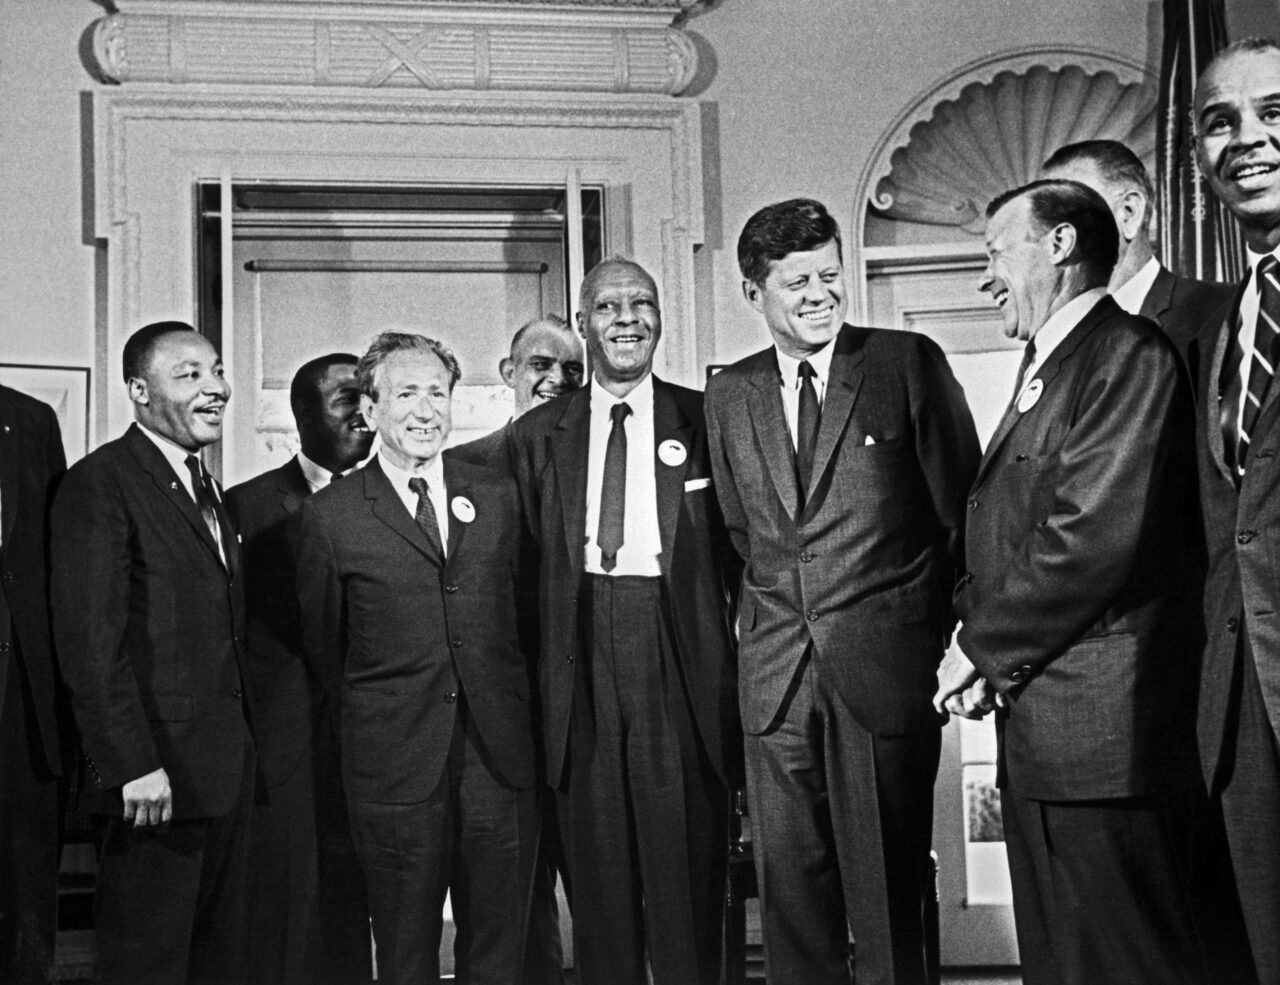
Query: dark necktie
1263	364
202	486
808	417
335	477
1028	357
613	490
425	515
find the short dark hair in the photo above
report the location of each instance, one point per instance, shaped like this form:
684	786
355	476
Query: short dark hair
1054	201
387	344
585	291
1248	46
1114	161
777	230
306	381
142	343
554	320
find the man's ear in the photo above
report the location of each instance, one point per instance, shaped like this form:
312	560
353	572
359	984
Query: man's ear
507	370
1062	242
138	391
366	411
1133	210
582	328
751	291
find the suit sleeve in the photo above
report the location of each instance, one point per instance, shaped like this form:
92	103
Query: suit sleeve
321	601
1109	476
735	517
90	590
948	451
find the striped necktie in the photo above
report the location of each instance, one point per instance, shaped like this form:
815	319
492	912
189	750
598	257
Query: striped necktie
1262	365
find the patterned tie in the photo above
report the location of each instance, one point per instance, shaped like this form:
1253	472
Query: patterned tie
425	515
808	418
1028	357
202	486
613	490
1263	362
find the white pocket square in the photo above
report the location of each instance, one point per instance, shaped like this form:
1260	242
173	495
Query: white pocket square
694	484
869	440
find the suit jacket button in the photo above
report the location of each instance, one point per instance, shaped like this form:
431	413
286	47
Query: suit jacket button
1020	675
456	642
966	578
4	647
1243	537
450	589
235	692
8	577
1233	624
451	697
973	505
812	615
568	658
806	556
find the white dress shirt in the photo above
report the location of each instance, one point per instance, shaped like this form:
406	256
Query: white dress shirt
1058	327
789	370
641	539
317	476
1132	294
435	490
1249	304
177	456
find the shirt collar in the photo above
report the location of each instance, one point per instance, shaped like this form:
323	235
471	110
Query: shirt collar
1132	293
174	454
400	478
640	399
1255	259
1062	321
318	476
789	366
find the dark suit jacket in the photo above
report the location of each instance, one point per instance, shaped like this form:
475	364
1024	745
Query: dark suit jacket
394	633
31	462
549	448
1242	525
1178	305
1079	601
265	513
489	451
865	570
150	628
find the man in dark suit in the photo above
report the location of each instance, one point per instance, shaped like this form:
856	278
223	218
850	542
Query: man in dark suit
1238	139
636	670
1140	284
544	362
841	458
311	921
406	576
1078	604
31	462
148	610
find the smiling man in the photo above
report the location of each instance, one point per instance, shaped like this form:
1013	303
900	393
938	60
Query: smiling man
636	670
312	921
841	458
1238	135
148	614
407	572
1078	606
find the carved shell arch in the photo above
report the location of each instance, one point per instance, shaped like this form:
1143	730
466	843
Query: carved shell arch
947	157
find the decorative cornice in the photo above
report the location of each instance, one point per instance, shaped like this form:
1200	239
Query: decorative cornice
505	45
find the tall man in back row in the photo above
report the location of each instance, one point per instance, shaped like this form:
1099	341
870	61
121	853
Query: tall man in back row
841	457
636	670
1238	138
1078	607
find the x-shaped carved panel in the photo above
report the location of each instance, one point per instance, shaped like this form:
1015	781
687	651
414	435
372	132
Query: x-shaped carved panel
406	53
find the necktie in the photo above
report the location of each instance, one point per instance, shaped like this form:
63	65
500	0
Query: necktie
202	486
613	490
335	477
425	515
807	420
1262	365
1028	357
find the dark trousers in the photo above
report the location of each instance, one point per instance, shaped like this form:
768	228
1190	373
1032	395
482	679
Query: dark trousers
544	952
841	821
475	838
1098	893
643	816
171	904
1248	784
28	838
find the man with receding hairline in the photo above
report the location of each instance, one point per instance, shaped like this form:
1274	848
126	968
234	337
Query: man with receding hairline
1237	107
148	612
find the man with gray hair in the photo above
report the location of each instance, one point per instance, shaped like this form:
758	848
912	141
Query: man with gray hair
406	578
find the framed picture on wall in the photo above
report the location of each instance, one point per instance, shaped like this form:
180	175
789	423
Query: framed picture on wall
66	390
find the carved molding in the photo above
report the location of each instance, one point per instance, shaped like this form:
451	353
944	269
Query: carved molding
502	45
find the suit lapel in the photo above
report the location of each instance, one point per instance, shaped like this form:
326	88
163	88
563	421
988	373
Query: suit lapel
1046	375
389	508
843	384
9	475
669	424
1212	406
292	485
772	434
570	441
1160	298
455	486
151	461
